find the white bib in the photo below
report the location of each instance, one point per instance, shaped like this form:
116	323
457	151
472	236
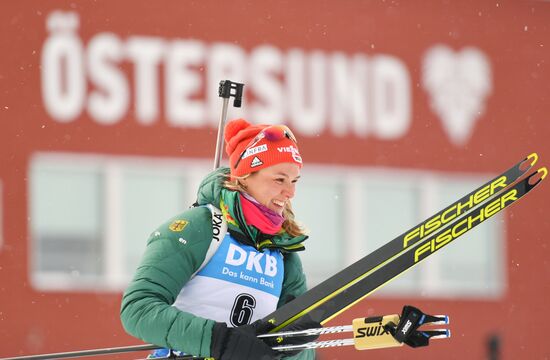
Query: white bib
237	284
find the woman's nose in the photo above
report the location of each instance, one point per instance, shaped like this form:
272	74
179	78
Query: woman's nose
289	190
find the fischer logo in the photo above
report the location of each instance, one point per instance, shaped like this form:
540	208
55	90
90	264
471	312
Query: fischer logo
477	216
454	211
408	324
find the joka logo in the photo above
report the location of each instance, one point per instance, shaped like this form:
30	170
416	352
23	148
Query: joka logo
256	162
216	225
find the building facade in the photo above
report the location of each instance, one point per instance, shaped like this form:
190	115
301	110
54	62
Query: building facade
109	115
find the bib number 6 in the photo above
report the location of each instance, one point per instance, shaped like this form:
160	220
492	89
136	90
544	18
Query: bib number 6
242	311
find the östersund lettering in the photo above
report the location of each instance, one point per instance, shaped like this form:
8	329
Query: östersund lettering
81	79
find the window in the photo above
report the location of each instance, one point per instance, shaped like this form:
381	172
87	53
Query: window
67	226
91	215
148	200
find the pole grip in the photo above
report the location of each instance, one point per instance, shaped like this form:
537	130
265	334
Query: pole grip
226	90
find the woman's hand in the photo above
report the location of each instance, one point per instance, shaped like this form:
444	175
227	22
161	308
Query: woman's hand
241	343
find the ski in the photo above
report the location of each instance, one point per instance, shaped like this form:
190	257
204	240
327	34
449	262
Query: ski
339	292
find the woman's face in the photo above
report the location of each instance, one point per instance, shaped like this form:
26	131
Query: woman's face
273	186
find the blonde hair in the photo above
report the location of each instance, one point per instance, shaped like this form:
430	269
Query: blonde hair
290	225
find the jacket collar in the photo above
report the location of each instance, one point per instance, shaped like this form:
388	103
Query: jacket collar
211	191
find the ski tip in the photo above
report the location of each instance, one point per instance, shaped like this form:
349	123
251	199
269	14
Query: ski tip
544	170
537	176
534	157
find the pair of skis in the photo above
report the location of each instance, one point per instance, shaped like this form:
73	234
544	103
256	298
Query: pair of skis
357	281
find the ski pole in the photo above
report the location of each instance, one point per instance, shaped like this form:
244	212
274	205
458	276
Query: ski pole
83	353
225	92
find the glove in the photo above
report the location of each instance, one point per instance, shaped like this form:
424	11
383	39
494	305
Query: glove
303	323
411	318
406	331
418	339
241	343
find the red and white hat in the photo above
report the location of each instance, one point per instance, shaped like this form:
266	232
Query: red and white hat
254	147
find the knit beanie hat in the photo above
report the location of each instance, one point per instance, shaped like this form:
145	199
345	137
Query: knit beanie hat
254	147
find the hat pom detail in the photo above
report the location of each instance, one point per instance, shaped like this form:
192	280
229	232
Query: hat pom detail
233	127
231	133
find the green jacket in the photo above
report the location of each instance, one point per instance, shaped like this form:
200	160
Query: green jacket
174	252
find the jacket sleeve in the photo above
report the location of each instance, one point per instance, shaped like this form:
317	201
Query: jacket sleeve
173	253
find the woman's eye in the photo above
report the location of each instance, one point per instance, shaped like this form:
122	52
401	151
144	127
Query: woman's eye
279	181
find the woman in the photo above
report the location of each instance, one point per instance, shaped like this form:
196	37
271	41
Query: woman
210	274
